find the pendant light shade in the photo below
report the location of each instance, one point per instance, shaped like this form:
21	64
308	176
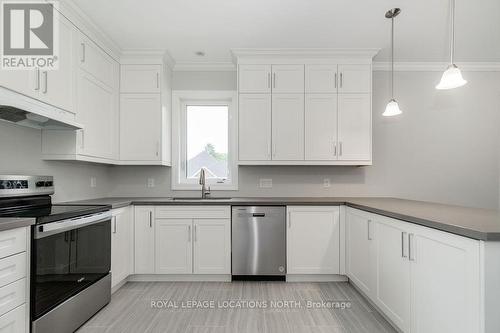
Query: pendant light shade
392	108
452	76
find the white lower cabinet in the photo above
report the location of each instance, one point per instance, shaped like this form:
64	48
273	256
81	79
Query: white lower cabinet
393	272
144	240
424	280
173	246
360	251
121	244
212	246
313	240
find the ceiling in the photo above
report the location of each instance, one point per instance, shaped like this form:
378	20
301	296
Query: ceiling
216	26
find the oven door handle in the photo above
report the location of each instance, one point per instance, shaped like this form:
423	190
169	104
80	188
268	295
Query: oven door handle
53	228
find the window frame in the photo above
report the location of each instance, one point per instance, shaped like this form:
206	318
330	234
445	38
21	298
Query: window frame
180	100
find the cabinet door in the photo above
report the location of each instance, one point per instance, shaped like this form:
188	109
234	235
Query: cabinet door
288	78
254	127
445	288
144	240
254	78
393	271
355	79
140	78
58	87
354	127
121	245
361	251
95	61
313	240
288	127
174	246
96	111
321	78
212	246
26	82
321	127
140	127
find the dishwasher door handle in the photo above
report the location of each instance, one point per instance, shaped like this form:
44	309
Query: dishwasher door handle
259	215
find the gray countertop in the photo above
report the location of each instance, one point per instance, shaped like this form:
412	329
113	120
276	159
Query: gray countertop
7	223
481	224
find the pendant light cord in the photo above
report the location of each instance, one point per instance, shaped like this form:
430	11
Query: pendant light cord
392	56
452	39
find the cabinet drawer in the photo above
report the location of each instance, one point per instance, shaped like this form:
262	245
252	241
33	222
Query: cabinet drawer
193	212
12	296
12	242
12	268
14	321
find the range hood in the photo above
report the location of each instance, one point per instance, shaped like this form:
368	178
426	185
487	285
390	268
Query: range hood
26	111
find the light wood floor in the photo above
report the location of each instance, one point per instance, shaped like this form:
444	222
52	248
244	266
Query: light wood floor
130	309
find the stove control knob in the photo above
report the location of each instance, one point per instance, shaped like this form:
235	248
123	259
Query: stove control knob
19	185
40	184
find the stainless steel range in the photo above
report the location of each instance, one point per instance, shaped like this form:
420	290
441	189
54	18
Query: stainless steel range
70	253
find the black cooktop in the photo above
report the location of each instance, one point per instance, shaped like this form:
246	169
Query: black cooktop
44	212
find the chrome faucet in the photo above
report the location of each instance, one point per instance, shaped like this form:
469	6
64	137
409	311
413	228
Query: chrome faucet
204	191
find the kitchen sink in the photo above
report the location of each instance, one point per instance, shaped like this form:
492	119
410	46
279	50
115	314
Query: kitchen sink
200	199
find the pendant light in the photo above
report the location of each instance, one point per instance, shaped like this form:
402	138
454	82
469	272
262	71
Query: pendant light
452	76
392	108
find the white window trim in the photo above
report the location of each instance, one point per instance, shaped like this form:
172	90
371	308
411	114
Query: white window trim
179	100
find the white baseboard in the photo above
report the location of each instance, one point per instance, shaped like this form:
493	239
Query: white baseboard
316	278
118	285
179	278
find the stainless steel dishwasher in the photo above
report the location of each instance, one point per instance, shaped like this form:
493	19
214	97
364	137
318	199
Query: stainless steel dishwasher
258	242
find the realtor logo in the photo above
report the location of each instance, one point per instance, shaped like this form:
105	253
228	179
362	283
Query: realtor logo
29	35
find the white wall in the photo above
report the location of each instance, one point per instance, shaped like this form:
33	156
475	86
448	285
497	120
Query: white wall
20	154
444	148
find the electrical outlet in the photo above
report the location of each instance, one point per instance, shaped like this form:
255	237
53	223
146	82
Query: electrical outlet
93	182
265	183
151	182
326	183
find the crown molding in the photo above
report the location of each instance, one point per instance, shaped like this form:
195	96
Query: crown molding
81	20
302	53
147	56
436	66
204	67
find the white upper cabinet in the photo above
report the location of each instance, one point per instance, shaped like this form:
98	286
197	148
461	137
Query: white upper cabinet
313	240
254	117
321	79
57	87
254	79
319	111
355	79
140	79
140	117
288	78
321	127
95	61
287	127
354	127
97	111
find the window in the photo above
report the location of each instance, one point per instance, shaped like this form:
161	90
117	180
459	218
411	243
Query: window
204	138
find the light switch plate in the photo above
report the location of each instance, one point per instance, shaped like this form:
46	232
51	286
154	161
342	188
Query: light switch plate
93	182
151	182
265	183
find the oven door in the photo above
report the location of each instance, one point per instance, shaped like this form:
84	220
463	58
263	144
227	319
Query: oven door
67	257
